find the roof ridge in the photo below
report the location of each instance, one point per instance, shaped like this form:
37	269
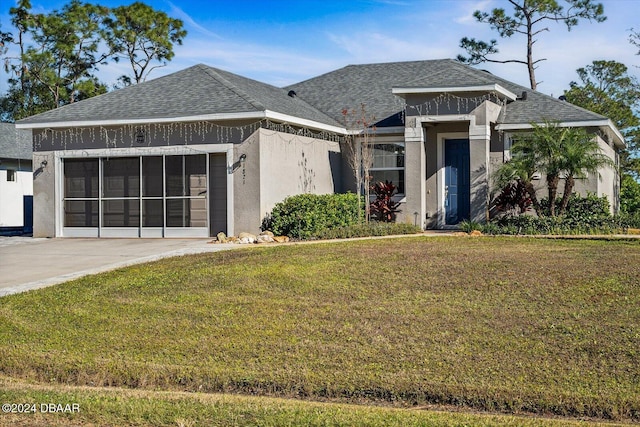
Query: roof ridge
415	61
214	73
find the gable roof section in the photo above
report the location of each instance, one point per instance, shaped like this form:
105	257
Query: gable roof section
369	84
196	93
15	143
372	84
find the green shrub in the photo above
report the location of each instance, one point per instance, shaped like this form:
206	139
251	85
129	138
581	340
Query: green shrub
527	224
373	228
584	215
491	228
582	209
630	220
629	195
468	226
305	215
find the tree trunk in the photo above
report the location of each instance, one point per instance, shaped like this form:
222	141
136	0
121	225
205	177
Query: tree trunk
530	66
552	185
534	198
568	189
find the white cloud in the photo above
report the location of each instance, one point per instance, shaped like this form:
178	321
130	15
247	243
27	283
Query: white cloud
468	8
381	47
269	64
178	13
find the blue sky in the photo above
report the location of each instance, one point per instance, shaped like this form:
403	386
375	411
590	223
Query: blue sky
282	42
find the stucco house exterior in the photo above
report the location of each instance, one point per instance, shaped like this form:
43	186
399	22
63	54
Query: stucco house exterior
16	182
204	150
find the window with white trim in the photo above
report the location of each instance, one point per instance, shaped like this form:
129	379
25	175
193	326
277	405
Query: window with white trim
388	164
11	175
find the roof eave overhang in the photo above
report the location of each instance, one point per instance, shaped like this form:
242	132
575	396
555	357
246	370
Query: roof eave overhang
252	115
605	124
495	88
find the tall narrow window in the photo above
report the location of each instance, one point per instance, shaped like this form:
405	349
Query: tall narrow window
11	175
388	164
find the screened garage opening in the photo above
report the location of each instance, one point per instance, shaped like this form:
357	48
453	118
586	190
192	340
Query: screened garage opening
143	196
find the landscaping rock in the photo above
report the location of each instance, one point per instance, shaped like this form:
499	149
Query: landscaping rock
475	233
264	238
222	238
247	238
280	239
267	233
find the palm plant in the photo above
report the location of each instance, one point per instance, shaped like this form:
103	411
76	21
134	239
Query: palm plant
546	143
581	155
554	151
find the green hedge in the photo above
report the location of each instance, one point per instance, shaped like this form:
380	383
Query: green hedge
584	215
373	228
306	215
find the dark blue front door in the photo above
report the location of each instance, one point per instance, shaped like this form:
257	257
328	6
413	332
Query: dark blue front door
456	180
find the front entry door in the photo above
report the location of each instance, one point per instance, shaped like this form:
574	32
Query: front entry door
456	180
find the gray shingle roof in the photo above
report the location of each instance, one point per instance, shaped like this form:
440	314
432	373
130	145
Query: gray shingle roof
372	85
198	90
202	90
15	143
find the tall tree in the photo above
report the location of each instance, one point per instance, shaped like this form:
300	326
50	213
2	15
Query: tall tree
606	88
528	18
141	35
66	51
58	65
18	99
55	56
5	38
634	39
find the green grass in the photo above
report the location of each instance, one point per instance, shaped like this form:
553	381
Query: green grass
156	408
497	324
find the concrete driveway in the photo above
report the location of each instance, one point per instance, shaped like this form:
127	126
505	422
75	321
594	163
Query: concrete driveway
30	263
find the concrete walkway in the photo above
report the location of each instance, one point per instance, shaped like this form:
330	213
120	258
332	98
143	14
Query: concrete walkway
31	263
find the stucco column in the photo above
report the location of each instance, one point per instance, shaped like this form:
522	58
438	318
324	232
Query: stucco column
415	176
45	166
479	152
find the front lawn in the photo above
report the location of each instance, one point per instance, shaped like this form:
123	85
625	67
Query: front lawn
129	407
498	324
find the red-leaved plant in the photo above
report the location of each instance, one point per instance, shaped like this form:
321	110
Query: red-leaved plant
514	198
384	208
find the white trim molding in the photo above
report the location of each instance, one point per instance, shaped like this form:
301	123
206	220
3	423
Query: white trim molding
253	115
605	123
482	88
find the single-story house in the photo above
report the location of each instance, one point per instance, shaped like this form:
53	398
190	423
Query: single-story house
16	181
204	150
